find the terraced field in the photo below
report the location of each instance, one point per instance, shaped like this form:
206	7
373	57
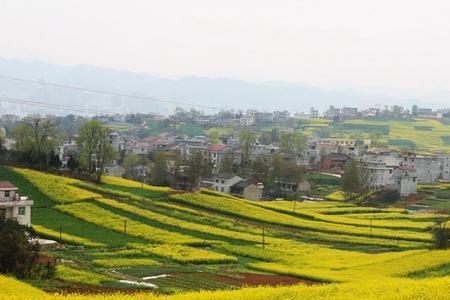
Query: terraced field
425	135
142	237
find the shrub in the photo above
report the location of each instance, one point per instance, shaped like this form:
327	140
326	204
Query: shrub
441	234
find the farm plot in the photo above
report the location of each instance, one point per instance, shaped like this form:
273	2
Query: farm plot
92	213
249	211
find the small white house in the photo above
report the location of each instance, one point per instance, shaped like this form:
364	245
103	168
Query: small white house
223	182
13	206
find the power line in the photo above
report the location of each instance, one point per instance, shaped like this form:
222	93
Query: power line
107	92
52	106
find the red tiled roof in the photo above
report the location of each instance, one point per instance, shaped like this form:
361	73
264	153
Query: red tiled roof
150	139
216	147
7	185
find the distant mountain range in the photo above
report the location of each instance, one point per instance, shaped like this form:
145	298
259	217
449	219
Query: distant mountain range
218	92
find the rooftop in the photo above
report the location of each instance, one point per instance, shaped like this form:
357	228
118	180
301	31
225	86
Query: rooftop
7	185
216	147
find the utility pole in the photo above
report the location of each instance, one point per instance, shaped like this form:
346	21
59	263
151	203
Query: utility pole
294	205
125	228
370	226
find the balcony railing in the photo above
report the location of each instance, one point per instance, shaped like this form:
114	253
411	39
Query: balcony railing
9	202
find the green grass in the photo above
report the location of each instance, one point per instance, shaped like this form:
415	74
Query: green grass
446	140
423	128
440	271
402	143
25	187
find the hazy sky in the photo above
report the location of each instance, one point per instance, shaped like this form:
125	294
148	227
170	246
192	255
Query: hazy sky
383	44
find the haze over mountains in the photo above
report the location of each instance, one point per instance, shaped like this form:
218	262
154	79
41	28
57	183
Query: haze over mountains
218	92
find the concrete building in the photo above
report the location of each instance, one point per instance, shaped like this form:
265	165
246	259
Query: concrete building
387	156
13	206
428	168
405	180
349	112
314	113
380	175
332	112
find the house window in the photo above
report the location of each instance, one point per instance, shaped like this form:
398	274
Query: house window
222	189
414	179
6	194
21	211
223	181
390	171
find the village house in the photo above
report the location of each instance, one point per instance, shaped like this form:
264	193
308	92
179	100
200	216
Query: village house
263	150
247	189
405	180
380	175
148	144
13	206
400	178
217	153
349	112
333	163
222	182
387	156
428	113
332	113
289	187
428	167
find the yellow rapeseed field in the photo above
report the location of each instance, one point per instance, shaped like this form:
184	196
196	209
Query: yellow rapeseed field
369	289
90	212
58	188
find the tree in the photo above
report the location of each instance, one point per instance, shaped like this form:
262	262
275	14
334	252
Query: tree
159	170
226	164
72	163
248	138
292	143
199	168
35	138
441	234
131	161
53	160
355	181
16	253
95	150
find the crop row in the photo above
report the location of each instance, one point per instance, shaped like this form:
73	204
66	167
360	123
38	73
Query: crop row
185	254
92	213
253	212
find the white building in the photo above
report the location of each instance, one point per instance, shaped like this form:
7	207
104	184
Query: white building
405	180
428	168
387	156
12	206
380	175
247	120
314	113
400	178
222	182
